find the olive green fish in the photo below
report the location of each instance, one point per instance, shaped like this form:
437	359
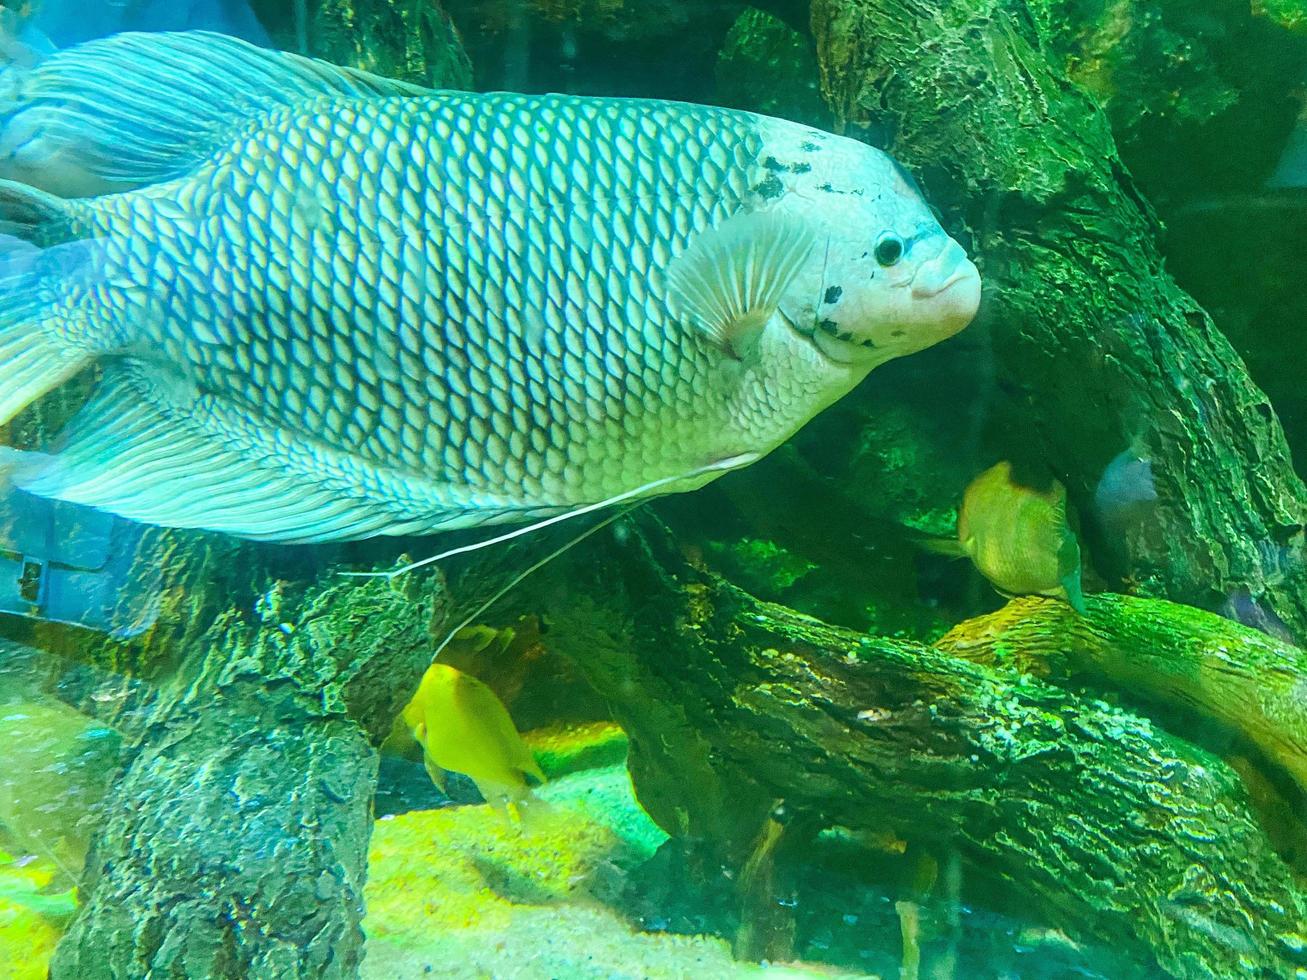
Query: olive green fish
1018	537
328	305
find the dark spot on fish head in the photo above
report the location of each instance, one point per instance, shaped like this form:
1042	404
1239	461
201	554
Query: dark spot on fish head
770	188
898	333
833	294
826	187
800	168
809	147
774	165
829	325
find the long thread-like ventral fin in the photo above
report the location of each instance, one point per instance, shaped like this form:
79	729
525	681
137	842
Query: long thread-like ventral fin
731	278
136	109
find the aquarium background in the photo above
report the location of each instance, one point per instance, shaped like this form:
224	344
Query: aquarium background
783	730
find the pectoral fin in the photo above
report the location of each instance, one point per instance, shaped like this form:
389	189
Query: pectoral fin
1068	567
731	278
948	547
438	775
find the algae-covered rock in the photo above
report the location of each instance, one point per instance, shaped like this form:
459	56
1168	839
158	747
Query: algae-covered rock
414	40
1289	14
1200	94
767	66
568	748
1202	99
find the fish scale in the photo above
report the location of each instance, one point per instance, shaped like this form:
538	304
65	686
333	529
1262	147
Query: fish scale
338	306
577	320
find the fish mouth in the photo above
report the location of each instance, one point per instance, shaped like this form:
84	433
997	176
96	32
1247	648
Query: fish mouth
949	284
963	273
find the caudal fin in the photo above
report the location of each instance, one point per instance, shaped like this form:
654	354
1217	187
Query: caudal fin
36	350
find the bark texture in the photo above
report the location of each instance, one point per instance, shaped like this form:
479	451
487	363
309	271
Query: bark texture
1239	680
1117	831
234	844
1097	349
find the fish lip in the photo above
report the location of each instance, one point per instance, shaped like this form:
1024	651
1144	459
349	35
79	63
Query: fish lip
965	272
830	345
810	336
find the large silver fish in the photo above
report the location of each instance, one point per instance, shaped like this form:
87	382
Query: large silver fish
329	305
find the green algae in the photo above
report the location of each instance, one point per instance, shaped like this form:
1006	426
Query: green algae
767	66
761	566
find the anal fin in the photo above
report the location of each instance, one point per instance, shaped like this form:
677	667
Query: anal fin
142	450
36	355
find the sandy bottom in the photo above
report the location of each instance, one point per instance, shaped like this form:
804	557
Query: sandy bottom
465	892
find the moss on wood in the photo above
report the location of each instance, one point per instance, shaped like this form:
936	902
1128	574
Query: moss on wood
1119	832
1096	347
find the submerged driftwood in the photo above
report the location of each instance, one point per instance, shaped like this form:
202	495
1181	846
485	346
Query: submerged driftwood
234	844
1114	829
1251	687
1097	349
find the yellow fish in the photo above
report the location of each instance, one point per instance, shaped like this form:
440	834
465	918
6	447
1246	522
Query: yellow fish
1018	537
463	727
58	763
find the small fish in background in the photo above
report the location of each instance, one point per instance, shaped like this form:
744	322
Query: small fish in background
1125	503
1126	490
57	766
1291	171
1018	537
463	727
1242	608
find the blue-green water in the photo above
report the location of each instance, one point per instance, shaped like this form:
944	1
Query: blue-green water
986	665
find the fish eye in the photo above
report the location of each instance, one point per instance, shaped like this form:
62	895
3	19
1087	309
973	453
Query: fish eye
889	249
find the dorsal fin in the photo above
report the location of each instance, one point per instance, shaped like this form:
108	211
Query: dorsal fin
137	109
